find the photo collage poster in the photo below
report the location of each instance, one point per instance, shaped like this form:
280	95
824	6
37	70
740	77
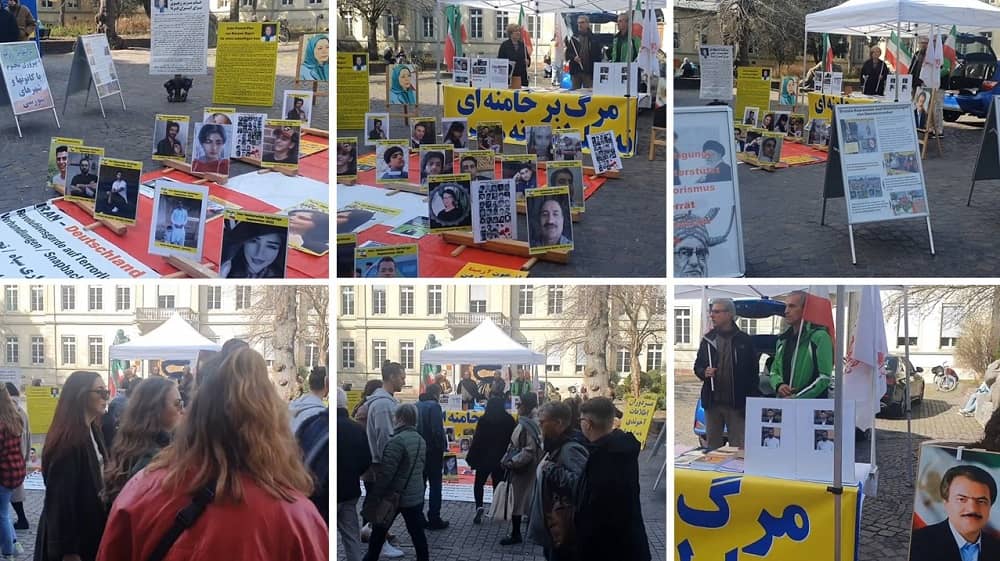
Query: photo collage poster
604	152
388	261
249	140
460	71
880	162
494	210
254	245
708	238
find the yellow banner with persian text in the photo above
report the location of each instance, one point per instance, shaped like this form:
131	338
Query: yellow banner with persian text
820	105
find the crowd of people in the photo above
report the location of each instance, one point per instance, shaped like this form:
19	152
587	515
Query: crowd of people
208	464
562	467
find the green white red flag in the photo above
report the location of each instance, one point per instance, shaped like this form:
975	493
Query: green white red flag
898	55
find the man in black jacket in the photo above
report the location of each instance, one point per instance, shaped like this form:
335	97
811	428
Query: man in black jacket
609	520
430	425
353	460
582	50
727	364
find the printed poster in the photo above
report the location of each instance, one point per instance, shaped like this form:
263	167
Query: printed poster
708	239
353	97
400	85
392	161
604	152
638	417
347	159
499	73
179	213
455	131
59	160
254	245
612	78
415	228
281	144
550	224
102	65
789	92
770	148
449	203
905	87
435	159
479	74
567	144
460	71
480	271
716	65
522	169
314	60
494	210
480	164
24	77
84	165
376	127
490	136
245	65
309	227
249	139
388	261
567	174
423	130
880	162
218	115
179	38
118	190
539	142
212	148
298	106
170	134
751	90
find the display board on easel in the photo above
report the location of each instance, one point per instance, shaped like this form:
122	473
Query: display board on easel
26	86
988	161
874	152
93	65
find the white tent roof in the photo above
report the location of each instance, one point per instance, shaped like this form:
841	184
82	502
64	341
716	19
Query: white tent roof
486	344
546	6
880	17
174	339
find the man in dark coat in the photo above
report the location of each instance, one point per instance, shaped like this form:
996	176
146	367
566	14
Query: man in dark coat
969	493
609	520
728	365
430	425
9	32
353	459
582	51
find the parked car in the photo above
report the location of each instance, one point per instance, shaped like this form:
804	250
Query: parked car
899	373
970	87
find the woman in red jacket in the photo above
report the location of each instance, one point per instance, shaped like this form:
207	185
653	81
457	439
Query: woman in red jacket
12	466
234	441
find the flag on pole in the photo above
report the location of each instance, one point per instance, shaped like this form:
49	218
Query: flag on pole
637	20
455	35
864	373
950	54
827	54
930	71
525	35
900	62
649	45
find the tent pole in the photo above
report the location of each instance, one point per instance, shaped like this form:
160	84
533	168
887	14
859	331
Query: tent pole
906	387
805	65
534	43
437	69
628	81
838	456
899	40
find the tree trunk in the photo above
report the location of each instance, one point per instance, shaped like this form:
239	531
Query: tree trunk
636	372
107	23
373	53
285	328
995	320
62	13
234	10
595	346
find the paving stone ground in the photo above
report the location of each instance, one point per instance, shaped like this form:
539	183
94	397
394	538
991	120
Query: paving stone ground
125	134
886	519
783	236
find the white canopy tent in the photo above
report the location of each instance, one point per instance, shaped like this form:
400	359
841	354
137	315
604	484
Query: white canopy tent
174	339
485	344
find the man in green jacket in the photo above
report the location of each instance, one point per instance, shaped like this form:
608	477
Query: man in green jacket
621	50
812	351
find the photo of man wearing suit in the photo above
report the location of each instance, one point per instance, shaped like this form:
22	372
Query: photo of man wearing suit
968	493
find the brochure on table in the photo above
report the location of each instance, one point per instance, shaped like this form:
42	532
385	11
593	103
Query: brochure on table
716	65
795	439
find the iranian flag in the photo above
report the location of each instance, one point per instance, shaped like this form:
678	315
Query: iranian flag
950	55
827	54
898	55
455	35
525	35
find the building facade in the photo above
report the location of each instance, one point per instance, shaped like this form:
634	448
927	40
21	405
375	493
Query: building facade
375	323
49	331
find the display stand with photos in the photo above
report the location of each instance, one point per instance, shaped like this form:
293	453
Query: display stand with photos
256	162
204	175
90	208
26	86
988	161
518	248
930	127
93	65
874	165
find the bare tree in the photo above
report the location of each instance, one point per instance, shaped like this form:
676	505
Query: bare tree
315	301
370	12
776	28
587	307
107	23
640	314
975	348
982	301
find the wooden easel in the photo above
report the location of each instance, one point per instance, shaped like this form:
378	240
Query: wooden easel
517	248
931	125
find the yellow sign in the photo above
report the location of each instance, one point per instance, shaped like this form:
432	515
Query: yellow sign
478	270
245	65
464	422
353	399
638	416
42	401
353	97
820	104
751	91
517	110
308	147
734	517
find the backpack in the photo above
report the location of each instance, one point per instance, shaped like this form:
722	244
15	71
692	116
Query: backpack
314	439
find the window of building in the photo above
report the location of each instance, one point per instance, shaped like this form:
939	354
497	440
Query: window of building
475	23
406	354
223	4
434	299
951	325
623	361
502	19
526	300
581	358
37	349
315	2
76	3
682	326
246	3
555	299
913	320
166	301
68	349
12	351
553	360
654	357
123	298
10	297
95	298
406	300
428	26
532	26
379	353
391	23
67	297
48	3
378	301
287	2
96	346
213	298
347	300
477	299
748	325
37	298
244	295
312	354
347	356
677	35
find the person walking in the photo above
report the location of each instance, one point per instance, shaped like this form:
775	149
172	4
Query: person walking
555	499
360	412
12	470
234	469
379	427
73	514
146	427
310	404
399	486
521	460
493	432
353	460
610	485
431	426
17	497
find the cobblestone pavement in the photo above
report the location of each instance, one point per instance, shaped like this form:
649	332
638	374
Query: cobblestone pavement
623	233
464	541
885	526
125	134
783	236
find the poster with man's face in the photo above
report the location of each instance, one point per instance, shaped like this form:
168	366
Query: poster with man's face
83	166
298	106
376	127
59	160
170	135
392	161
567	174
550	224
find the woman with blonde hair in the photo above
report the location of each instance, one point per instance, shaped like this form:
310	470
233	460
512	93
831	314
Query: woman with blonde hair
154	409
12	467
73	514
236	472
514	50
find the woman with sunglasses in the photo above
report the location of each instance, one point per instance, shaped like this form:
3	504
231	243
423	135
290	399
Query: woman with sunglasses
73	514
153	411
